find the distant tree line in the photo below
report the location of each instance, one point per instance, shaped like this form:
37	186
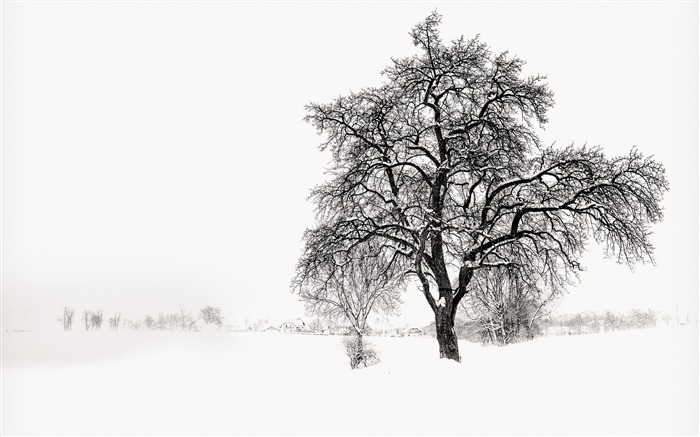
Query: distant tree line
602	321
181	320
507	330
635	319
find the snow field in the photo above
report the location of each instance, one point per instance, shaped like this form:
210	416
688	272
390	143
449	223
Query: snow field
175	383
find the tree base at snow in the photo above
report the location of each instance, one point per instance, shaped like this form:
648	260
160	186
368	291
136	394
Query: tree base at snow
360	352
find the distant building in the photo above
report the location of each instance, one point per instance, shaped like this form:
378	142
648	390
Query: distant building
271	329
412	332
290	327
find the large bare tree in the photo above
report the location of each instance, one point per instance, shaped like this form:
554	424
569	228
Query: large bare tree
442	166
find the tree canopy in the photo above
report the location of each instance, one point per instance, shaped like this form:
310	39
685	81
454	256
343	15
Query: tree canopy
441	166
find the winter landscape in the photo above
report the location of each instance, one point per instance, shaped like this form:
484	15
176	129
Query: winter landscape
455	218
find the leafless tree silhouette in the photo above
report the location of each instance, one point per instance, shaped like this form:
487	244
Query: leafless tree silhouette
441	165
350	288
96	318
172	321
505	306
86	319
185	321
114	321
212	315
260	324
67	318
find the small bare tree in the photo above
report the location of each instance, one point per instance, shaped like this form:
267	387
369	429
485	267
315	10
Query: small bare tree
67	318
350	288
87	317
114	321
185	321
666	318
260	324
213	315
160	323
316	325
96	319
172	321
148	321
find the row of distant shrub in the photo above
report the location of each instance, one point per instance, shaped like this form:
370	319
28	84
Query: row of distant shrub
182	320
567	324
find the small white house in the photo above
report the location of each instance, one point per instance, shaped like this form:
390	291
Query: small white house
412	332
289	327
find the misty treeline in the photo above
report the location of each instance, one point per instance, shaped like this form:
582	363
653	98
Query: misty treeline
517	326
602	321
181	320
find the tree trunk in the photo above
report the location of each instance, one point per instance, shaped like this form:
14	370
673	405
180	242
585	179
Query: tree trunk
360	353
446	336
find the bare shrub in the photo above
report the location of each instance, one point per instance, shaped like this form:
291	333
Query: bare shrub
359	351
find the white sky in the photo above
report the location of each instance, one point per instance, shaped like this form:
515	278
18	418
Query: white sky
154	154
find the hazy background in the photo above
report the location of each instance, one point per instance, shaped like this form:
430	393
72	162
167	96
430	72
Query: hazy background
154	154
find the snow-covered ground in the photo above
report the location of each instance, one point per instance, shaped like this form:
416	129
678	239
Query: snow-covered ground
634	382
